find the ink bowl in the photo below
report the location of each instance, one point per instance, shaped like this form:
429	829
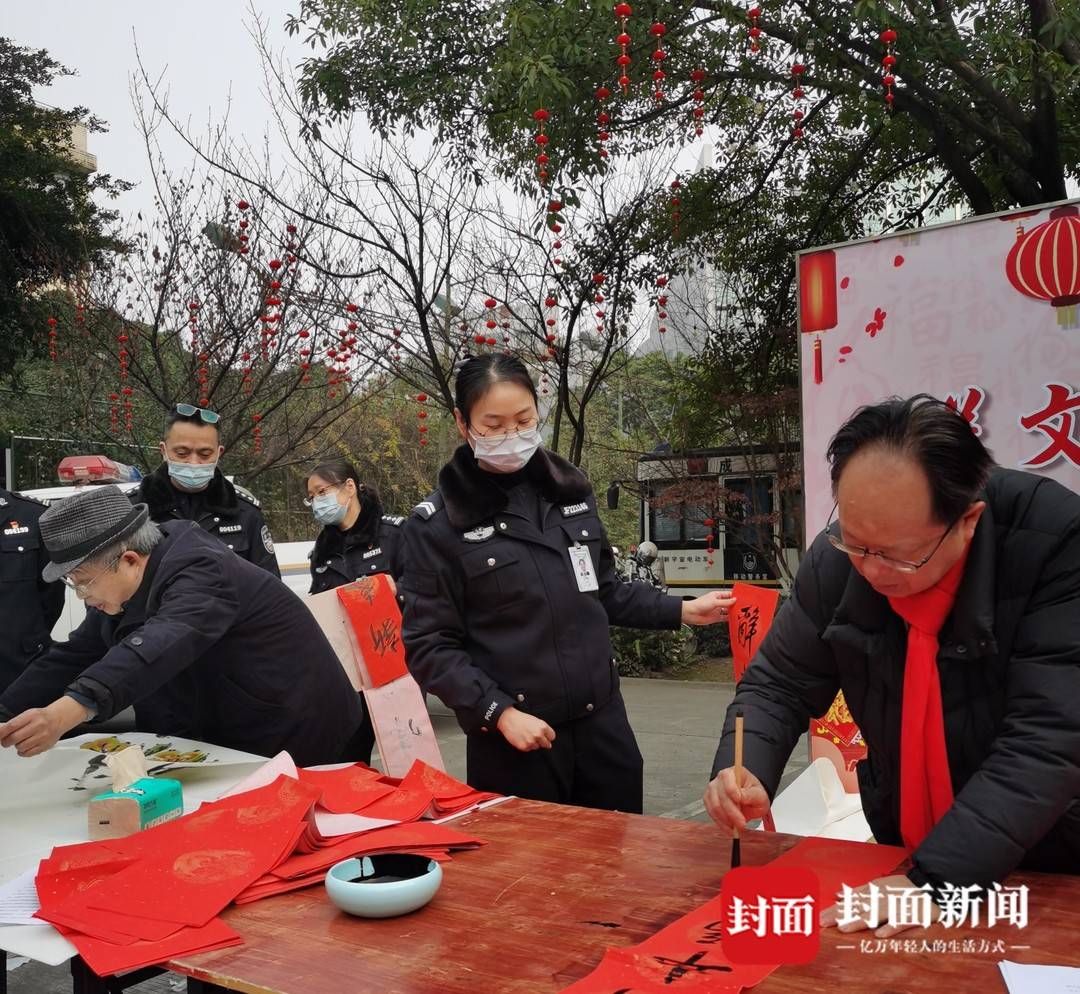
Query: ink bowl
384	885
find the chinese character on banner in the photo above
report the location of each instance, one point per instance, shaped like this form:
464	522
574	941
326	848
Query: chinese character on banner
749	621
967	402
1057	422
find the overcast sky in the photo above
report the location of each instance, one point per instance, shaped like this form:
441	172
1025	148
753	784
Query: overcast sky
203	46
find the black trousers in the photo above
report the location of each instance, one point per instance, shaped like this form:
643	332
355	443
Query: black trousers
358	749
594	762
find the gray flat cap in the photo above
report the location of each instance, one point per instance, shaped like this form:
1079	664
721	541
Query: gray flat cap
77	527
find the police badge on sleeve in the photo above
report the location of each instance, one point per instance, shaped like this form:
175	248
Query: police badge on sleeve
268	542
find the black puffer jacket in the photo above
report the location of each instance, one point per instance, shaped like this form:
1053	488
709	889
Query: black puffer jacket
1009	665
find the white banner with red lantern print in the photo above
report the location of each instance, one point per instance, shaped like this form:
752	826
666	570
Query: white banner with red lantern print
984	313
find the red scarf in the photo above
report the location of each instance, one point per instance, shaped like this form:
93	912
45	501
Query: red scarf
925	782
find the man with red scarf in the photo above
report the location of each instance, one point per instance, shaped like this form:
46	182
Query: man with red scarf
943	598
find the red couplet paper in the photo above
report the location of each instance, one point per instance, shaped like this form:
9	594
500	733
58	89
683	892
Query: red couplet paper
221	849
450	795
687	955
347	790
749	621
396	838
106	959
375	618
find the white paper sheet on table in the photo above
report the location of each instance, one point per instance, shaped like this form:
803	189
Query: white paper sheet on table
19	900
43	804
1026	978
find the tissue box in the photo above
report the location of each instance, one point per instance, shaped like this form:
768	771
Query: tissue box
142	804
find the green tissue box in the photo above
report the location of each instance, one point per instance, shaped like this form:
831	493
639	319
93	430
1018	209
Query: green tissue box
142	804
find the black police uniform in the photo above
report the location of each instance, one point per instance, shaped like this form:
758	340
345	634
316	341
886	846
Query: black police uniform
209	647
226	511
495	617
371	546
29	607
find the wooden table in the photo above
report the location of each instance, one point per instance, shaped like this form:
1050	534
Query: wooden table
534	910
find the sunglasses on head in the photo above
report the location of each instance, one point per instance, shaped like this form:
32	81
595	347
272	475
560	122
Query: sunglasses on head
190	410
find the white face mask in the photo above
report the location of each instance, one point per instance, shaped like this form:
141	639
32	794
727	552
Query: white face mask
505	453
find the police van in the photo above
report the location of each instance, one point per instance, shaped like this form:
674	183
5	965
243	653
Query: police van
79	472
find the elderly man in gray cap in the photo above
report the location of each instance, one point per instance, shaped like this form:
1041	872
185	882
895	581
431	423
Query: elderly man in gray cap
203	644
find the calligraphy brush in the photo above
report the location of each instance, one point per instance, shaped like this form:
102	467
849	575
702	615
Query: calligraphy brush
736	848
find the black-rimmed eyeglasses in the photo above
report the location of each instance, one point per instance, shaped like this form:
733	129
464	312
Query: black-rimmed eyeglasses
900	565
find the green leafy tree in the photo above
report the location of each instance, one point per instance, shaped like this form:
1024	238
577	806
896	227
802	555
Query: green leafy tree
986	113
52	226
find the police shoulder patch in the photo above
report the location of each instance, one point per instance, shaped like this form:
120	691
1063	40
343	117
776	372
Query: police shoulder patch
393	519
427	508
571	509
247	495
267	541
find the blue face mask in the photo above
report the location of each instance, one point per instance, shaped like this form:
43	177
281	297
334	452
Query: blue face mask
327	510
192	476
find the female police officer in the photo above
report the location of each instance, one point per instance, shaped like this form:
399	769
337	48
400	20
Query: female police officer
509	589
357	540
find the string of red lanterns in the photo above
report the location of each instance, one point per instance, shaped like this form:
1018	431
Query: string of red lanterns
53	335
256	434
658	30
603	121
541	116
661	303
676	206
242	237
421	415
798	71
623	11
754	15
888	65
697	113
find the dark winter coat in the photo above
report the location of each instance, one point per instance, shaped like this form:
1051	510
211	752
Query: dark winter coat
29	607
1009	665
228	512
371	546
210	647
493	616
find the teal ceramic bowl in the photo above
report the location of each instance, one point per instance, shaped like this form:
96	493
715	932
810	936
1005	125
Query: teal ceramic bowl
383	886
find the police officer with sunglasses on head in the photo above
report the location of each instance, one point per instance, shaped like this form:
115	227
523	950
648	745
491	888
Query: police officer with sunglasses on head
190	486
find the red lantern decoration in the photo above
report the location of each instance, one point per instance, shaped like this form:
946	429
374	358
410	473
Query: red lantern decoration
242	205
888	65
658	30
603	121
798	70
676	207
817	299
697	113
623	12
1044	263
256	433
754	15
541	116
52	339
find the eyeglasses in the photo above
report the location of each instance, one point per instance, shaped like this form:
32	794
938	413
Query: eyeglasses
900	565
190	410
83	588
496	432
329	488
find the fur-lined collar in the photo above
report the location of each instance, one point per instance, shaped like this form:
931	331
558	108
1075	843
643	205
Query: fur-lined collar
157	491
471	496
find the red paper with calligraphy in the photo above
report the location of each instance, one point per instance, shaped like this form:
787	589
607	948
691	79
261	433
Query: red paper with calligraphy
375	619
749	621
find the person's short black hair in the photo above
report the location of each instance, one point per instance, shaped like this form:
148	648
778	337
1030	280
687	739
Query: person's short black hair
337	470
480	372
934	435
174	416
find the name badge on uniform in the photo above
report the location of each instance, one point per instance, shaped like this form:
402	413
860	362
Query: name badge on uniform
581	563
